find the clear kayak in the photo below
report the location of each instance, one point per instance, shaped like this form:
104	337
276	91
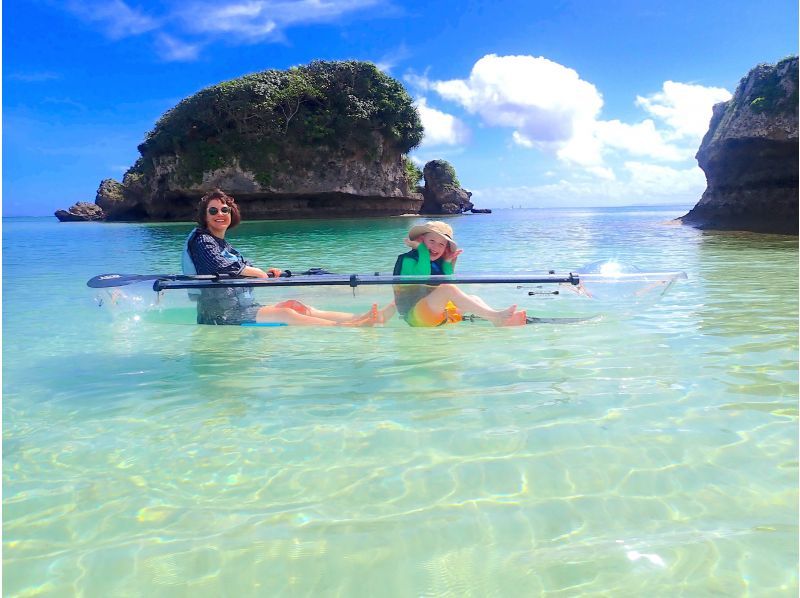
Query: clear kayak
571	297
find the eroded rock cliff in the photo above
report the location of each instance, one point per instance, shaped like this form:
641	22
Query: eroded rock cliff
750	156
326	139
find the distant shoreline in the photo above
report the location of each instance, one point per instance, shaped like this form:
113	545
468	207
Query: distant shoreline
686	207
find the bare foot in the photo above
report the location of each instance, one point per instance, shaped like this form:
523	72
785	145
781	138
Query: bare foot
507	312
518	318
372	313
368	319
502	315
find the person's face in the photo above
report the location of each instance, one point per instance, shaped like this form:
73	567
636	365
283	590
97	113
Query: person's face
436	244
219	221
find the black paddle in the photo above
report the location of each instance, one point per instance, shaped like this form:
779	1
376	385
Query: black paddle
105	281
186	281
535	320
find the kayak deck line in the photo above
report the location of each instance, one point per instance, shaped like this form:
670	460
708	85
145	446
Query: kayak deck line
356	280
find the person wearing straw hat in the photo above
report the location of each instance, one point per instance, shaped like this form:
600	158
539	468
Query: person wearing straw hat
434	251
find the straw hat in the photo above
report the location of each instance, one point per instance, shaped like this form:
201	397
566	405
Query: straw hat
436	227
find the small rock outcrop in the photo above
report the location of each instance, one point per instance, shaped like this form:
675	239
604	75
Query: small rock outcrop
442	193
322	140
750	156
83	211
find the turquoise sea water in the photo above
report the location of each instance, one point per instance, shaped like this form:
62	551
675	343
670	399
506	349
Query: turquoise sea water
652	451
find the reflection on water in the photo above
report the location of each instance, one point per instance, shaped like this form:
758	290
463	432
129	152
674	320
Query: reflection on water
648	451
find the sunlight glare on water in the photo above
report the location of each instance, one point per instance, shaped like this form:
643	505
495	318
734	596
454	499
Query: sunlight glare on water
650	450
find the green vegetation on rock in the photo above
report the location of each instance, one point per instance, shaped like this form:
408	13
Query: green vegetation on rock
444	172
265	120
767	95
413	173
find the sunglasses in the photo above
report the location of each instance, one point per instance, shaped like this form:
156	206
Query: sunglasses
224	209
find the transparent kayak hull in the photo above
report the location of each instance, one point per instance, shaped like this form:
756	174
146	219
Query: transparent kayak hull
595	289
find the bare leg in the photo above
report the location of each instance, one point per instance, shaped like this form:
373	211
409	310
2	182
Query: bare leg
518	318
480	301
387	313
285	315
438	299
333	316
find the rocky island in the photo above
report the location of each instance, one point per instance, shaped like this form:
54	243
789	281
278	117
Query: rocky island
750	156
328	139
442	193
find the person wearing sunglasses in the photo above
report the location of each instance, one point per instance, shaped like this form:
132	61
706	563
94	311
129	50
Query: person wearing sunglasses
207	252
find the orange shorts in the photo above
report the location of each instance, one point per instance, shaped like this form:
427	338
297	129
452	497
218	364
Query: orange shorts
422	315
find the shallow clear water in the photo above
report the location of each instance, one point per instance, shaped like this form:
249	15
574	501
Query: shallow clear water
652	450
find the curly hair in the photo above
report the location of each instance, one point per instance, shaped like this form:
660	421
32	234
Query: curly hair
202	206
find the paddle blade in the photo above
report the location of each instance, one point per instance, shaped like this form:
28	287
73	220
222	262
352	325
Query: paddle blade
106	281
535	320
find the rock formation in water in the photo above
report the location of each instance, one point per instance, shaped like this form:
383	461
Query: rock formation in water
323	140
750	156
442	192
83	211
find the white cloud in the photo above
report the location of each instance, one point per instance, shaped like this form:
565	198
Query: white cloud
35	77
258	20
640	139
550	108
584	148
390	60
66	102
602	172
520	139
236	22
686	109
174	50
641	183
440	128
420	82
117	19
542	100
250	20
649	179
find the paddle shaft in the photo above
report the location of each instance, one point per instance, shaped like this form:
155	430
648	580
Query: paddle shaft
356	280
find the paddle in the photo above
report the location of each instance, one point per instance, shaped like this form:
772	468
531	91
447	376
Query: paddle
466	318
356	280
535	320
313	277
105	281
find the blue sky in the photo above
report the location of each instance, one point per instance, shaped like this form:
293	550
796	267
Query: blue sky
556	103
